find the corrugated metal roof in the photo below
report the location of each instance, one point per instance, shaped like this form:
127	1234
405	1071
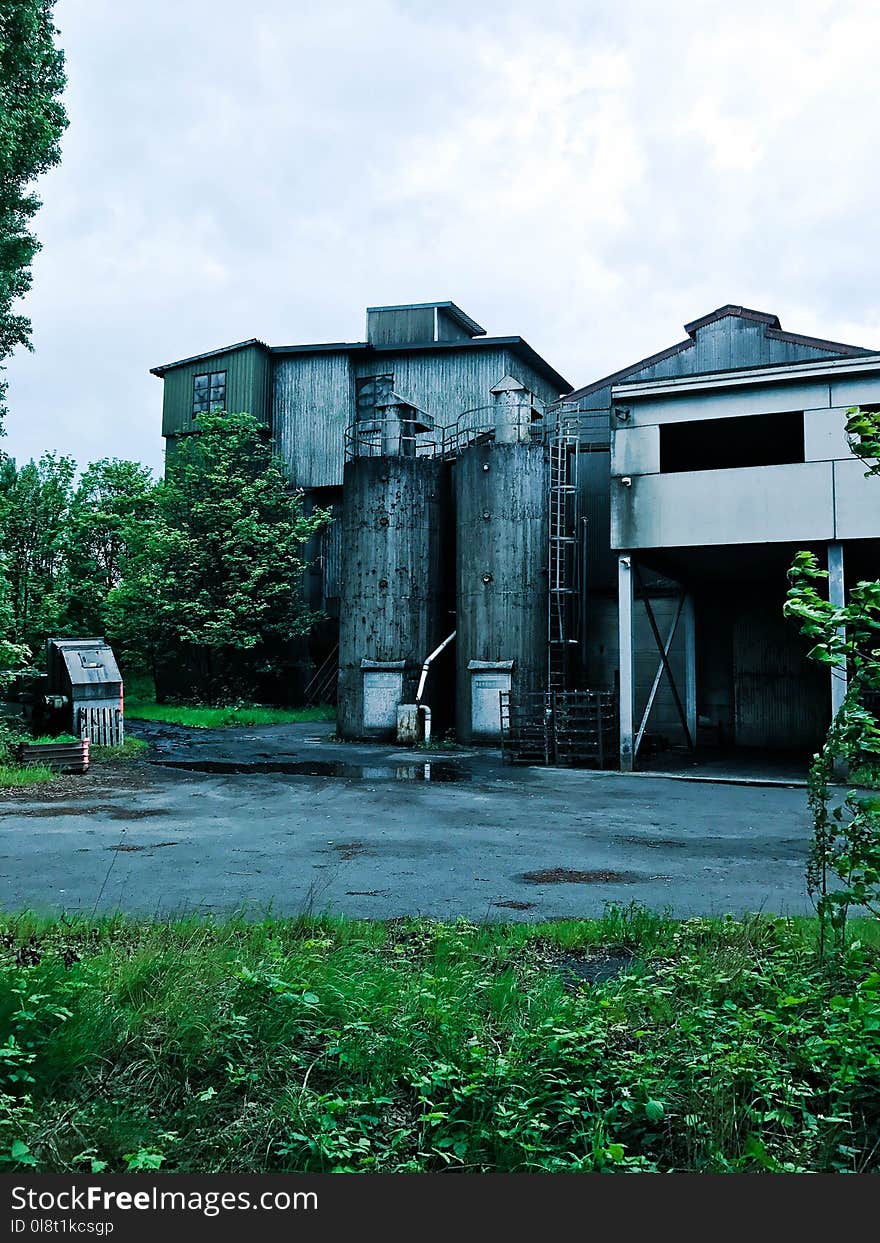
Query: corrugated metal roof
772	329
197	358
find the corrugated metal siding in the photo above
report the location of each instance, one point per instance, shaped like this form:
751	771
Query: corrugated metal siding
247	387
447	383
313	399
403	325
781	700
331	556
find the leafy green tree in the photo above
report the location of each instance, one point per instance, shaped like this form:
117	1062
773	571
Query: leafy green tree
843	867
111	499
32	120
34	510
214	580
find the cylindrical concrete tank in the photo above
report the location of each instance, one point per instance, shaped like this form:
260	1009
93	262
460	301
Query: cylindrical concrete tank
500	494
396	596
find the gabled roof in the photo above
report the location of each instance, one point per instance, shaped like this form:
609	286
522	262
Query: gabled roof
772	330
198	358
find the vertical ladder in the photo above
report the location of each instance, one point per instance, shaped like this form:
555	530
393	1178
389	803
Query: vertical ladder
562	561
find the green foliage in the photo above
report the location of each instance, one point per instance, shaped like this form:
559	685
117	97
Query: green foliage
215	578
34	507
112	497
32	120
863	435
843	867
322	1045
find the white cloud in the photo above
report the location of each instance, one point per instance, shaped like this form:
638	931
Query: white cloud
589	175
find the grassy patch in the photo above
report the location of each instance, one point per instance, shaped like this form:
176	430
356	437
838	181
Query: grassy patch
18	775
315	1045
140	704
218	718
131	749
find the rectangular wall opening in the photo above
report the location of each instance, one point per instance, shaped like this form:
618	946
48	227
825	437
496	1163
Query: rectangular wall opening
719	444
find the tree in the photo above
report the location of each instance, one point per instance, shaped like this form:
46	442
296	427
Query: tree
111	499
32	120
214	580
843	868
34	510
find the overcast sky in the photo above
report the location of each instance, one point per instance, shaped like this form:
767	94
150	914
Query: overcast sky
588	175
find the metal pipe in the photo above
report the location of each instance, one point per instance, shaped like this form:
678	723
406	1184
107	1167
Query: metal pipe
427	665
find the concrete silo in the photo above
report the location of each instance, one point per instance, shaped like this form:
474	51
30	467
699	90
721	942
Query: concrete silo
396	580
500	488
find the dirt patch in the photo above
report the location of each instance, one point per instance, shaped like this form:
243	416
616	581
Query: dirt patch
124	848
577	970
513	905
570	876
95	809
350	850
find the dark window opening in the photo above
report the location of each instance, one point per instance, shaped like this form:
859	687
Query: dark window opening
209	392
718	444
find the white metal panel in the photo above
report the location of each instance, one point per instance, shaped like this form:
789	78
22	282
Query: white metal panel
383	691
825	435
751	505
857	502
856	390
486	687
725	403
635	451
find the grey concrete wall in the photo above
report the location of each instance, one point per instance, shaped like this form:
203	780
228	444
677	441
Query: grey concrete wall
395	589
501	531
750	505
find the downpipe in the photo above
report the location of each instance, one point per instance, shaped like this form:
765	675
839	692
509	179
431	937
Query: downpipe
423	709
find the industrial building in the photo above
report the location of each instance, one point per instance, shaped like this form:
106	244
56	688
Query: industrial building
597	574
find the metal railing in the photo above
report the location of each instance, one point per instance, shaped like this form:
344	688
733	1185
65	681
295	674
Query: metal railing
381	437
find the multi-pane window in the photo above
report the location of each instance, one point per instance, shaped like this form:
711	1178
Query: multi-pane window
209	392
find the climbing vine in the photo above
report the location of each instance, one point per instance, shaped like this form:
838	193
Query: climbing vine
843	867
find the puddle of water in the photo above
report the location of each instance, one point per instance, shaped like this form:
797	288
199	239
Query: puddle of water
424	771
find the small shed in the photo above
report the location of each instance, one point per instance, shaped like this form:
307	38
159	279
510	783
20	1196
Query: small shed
85	673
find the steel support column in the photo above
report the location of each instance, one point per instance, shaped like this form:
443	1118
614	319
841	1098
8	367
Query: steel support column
690	664
625	645
837	597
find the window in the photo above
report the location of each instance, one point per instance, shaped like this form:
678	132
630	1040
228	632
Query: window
716	444
209	392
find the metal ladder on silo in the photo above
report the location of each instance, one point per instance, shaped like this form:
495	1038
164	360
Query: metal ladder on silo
562	561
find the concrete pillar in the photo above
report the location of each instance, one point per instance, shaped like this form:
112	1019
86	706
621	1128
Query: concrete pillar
513	411
690	665
625	633
837	597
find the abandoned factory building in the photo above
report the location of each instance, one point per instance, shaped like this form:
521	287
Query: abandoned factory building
595	575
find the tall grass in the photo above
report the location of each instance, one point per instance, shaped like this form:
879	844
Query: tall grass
343	1045
20	775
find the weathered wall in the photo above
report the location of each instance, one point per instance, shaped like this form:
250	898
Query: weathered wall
395	598
506	618
247	387
313	400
